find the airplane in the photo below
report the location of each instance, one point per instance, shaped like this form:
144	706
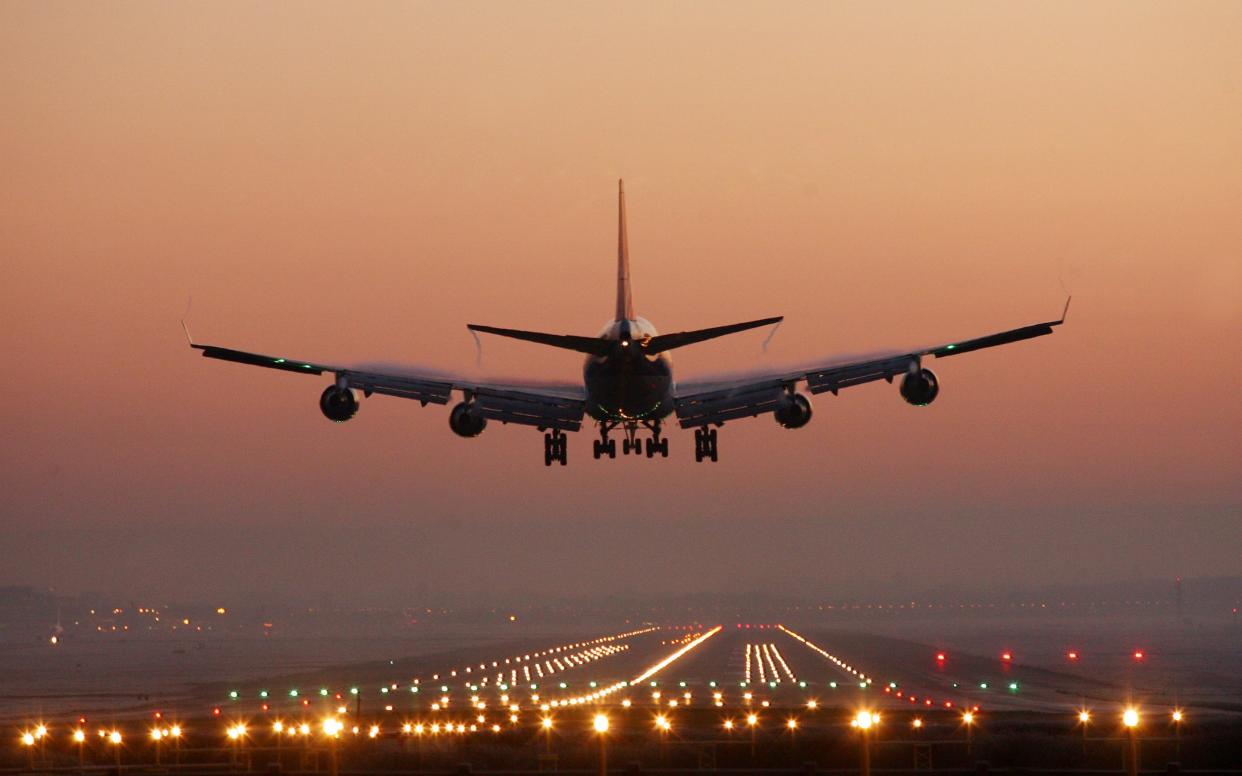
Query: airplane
627	384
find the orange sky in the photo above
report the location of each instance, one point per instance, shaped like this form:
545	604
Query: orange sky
351	183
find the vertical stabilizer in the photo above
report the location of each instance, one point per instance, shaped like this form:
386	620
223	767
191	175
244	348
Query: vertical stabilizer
625	304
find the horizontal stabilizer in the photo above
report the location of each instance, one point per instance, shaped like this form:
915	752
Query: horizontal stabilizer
663	342
593	345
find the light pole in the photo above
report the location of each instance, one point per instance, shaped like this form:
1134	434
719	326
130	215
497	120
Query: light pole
79	738
332	729
1130	718
157	735
546	724
864	721
601	729
116	740
174	733
28	741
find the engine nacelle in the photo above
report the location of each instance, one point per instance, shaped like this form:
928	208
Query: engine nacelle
920	388
338	404
464	422
794	411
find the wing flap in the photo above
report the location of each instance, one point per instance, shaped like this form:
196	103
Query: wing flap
836	378
716	407
425	391
530	409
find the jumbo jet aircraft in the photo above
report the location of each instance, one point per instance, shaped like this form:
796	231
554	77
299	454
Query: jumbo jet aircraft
628	383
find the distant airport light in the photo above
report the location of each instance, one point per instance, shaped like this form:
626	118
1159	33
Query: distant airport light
115	737
1177	715
791	723
79	735
1138	654
917	723
1007	656
728	724
1130	718
968	718
28	739
752	719
940	657
864	720
601	723
1072	654
1084	716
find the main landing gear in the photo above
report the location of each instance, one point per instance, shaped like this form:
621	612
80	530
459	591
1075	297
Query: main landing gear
556	447
630	444
704	444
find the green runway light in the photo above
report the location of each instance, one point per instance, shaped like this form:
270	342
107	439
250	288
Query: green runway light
593	684
772	684
353	690
262	693
233	694
413	689
654	683
563	685
712	683
323	690
444	688
955	685
384	690
1013	686
863	685
742	684
293	693
504	687
893	685
800	684
534	686
833	685
683	684
983	685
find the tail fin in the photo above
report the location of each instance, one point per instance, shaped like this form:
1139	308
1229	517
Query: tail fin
625	302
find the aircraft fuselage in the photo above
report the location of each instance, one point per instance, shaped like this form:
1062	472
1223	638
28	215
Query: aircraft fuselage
627	384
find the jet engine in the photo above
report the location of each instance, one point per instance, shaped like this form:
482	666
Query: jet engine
338	404
920	388
465	422
794	411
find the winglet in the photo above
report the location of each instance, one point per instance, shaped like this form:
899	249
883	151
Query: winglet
1065	312
186	329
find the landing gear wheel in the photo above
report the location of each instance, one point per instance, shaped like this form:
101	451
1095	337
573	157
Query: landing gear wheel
705	444
664	447
651	448
597	449
555	448
612	448
625	447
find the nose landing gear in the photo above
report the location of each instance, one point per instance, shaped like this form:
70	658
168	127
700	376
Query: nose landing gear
705	444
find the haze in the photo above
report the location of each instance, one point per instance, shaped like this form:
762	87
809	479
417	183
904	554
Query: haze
353	183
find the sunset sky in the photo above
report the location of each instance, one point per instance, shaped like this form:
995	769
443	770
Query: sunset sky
354	183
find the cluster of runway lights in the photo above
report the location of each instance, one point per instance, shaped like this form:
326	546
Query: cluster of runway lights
332	727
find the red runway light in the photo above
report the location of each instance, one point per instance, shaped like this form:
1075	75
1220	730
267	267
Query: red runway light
1072	655
216	711
1138	654
1006	656
940	657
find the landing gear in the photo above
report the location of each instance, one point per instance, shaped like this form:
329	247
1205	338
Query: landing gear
555	447
605	446
657	445
705	444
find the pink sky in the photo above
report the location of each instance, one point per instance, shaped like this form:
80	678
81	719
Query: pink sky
356	183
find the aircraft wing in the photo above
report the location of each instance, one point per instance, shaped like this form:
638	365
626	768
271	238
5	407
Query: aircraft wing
712	402
529	404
